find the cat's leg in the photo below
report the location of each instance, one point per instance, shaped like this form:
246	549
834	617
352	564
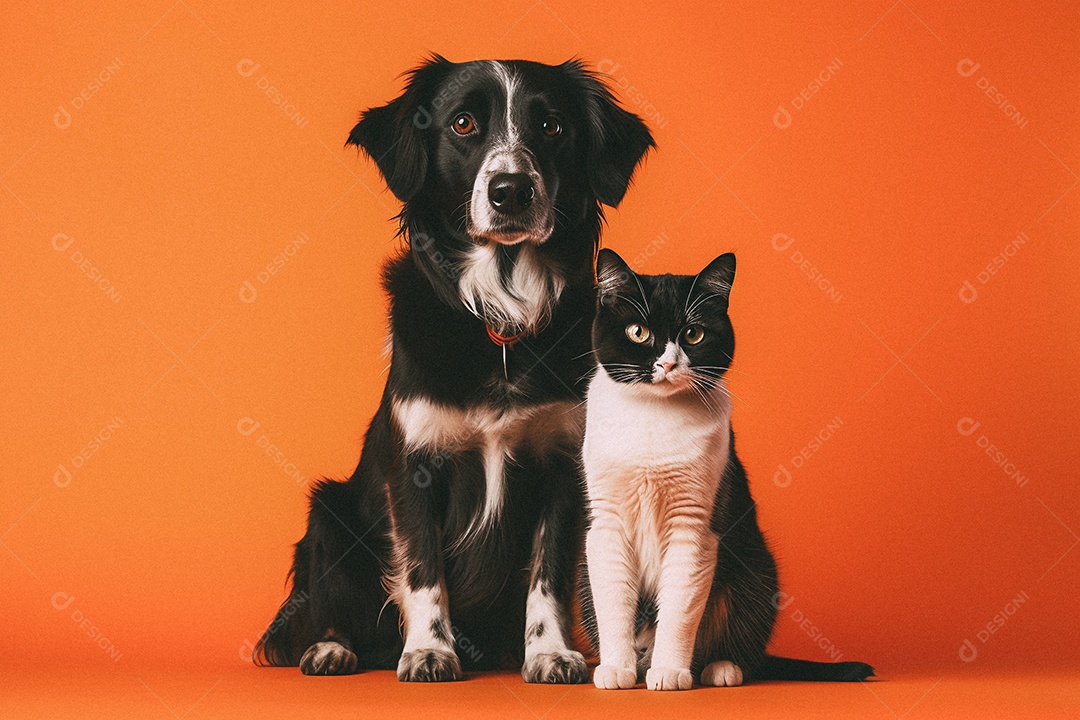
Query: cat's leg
740	615
614	596
715	645
685	579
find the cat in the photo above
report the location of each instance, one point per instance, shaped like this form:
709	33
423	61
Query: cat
679	582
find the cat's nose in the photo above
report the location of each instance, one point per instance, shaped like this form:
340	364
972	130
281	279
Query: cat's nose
665	364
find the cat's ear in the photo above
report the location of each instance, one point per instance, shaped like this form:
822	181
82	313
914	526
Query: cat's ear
717	276
613	276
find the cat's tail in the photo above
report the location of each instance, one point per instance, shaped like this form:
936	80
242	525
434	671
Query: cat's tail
782	668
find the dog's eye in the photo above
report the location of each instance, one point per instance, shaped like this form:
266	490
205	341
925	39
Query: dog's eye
464	124
638	333
552	127
693	334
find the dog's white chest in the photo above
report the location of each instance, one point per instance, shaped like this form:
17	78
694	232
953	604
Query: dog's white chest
497	434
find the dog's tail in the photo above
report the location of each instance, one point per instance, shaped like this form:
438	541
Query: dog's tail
782	668
284	640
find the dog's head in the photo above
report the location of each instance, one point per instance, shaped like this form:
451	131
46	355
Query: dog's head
504	151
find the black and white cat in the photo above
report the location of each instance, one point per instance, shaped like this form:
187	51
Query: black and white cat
680	582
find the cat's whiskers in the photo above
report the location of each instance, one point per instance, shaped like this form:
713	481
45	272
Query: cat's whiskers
719	369
697	303
727	391
635	303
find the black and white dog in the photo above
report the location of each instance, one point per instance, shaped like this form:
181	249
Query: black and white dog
462	521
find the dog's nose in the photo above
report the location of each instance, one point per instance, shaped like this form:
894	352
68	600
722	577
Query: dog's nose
511	193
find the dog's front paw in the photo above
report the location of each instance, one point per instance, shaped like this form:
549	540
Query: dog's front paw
611	677
566	666
658	678
722	673
328	658
430	665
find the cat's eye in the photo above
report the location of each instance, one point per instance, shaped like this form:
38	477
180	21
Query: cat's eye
638	333
693	334
464	124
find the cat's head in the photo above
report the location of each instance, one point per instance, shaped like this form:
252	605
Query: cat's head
664	334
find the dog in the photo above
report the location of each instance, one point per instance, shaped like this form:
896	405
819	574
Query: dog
462	522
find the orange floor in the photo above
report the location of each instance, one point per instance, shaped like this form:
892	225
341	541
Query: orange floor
284	693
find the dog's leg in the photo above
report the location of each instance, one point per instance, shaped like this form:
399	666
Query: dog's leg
548	657
417	583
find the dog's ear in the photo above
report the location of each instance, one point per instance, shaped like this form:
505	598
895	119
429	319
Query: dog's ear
395	135
616	139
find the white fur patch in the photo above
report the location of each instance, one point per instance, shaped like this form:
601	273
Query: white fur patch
507	155
652	466
543	624
420	609
510	83
442	428
524	301
672	365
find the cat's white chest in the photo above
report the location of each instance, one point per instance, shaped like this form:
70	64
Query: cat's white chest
655	463
628	430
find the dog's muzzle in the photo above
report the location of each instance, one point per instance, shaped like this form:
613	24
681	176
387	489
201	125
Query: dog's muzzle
510	203
511	194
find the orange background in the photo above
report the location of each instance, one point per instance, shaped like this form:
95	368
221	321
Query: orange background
899	179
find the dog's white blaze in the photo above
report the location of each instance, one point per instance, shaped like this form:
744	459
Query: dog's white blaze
507	155
509	82
525	300
431	426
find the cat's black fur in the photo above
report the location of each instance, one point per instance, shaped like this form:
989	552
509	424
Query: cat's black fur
743	602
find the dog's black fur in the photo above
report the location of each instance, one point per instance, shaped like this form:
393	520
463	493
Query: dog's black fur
406	521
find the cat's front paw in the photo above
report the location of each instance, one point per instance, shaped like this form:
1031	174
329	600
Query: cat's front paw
658	678
431	665
612	677
566	666
722	673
